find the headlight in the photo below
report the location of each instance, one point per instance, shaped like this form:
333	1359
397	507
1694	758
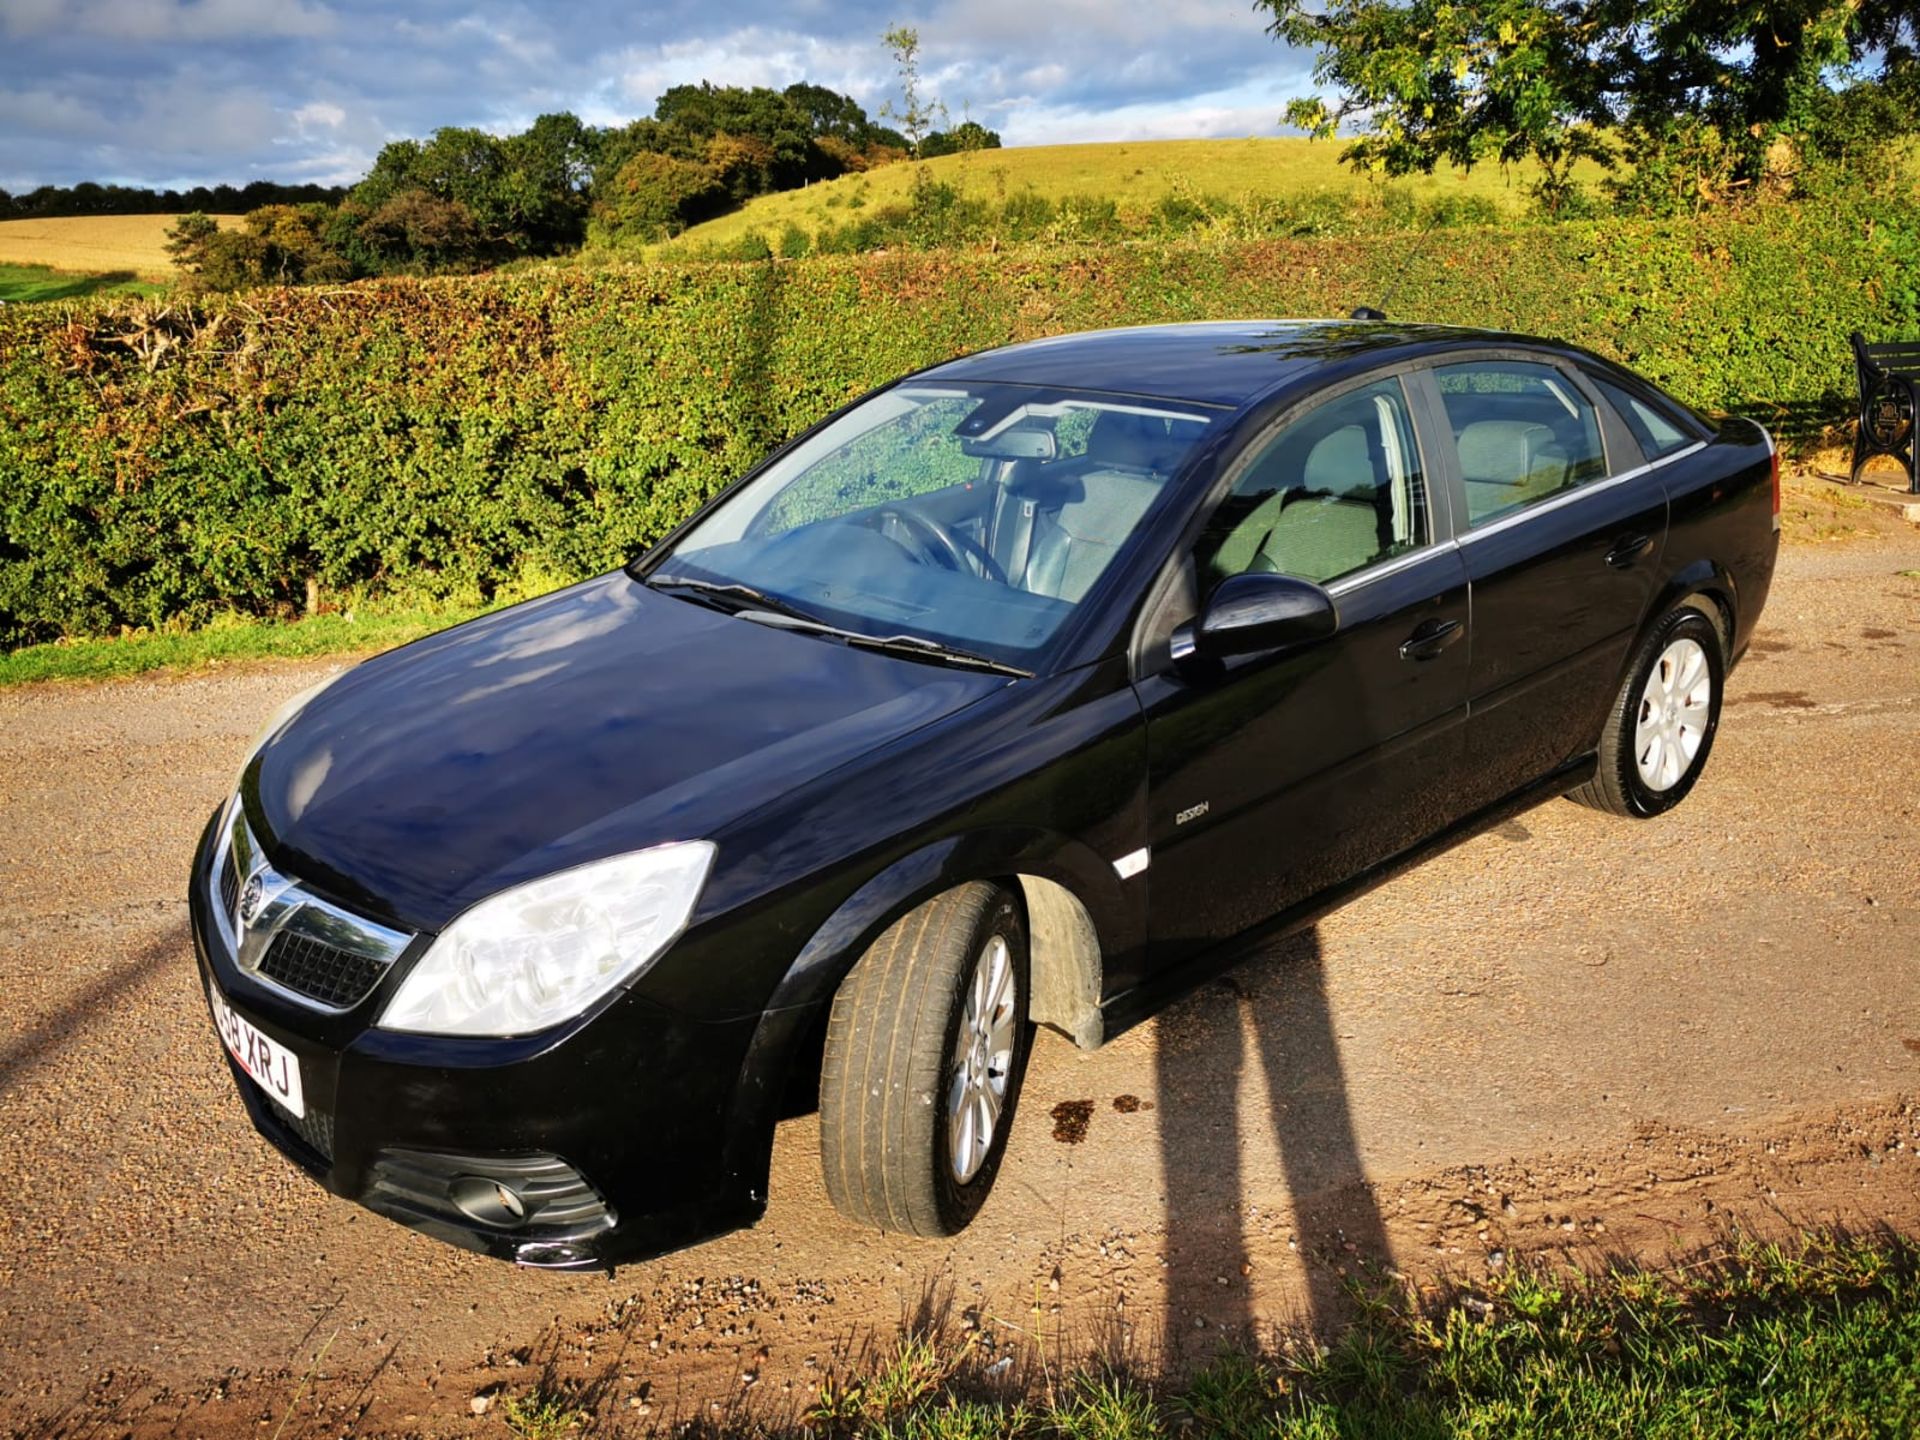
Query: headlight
279	721
542	952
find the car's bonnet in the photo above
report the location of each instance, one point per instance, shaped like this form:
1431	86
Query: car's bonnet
601	719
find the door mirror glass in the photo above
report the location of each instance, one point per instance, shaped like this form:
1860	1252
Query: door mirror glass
1257	611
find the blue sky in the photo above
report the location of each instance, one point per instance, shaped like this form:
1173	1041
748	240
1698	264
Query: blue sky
168	92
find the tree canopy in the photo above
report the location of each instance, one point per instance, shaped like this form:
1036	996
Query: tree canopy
1466	81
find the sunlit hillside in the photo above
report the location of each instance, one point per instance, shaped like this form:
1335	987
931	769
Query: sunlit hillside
1134	174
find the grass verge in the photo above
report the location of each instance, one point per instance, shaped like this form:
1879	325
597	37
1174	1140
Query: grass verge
238	640
1820	1339
30	284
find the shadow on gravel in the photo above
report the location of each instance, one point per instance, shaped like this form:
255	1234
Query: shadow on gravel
1288	1032
97	1001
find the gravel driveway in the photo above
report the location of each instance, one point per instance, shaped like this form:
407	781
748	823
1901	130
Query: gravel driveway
1572	1034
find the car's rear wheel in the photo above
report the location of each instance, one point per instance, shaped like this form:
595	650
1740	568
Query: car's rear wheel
926	1047
1660	730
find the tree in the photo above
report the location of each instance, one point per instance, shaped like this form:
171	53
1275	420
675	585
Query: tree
414	231
276	245
188	239
916	115
654	197
549	171
1554	80
967	136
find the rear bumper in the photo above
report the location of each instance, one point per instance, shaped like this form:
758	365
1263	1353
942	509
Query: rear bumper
611	1134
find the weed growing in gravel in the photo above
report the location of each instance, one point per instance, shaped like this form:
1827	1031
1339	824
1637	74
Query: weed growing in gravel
540	1414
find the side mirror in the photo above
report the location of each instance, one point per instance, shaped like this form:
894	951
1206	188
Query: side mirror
1256	611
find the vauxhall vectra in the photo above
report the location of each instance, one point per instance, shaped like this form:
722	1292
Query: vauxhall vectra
1030	689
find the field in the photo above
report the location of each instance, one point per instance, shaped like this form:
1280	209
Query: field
1133	174
28	284
121	245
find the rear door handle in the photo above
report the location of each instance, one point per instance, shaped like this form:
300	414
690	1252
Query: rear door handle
1430	637
1627	549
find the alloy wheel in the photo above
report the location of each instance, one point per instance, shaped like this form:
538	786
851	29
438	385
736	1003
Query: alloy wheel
1676	705
982	1059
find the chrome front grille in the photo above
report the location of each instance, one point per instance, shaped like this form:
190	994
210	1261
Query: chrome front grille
229	883
335	977
282	934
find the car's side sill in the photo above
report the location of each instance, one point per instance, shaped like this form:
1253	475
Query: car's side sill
1123	1011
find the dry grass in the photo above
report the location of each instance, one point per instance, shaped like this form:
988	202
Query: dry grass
93	244
1134	174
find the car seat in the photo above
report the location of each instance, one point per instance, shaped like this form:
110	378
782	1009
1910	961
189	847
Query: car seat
1507	463
1084	509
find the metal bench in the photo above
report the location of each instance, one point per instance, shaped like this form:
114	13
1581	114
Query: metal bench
1889	374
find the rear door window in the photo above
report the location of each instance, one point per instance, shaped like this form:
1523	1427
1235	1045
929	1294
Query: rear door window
1524	433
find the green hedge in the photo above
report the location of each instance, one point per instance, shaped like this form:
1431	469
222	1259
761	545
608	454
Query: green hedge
447	437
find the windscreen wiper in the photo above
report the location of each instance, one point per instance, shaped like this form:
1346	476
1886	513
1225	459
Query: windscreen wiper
758	605
731	590
913	647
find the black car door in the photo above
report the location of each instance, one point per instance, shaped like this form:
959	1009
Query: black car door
1561	529
1280	774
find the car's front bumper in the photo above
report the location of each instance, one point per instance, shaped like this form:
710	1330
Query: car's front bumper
612	1134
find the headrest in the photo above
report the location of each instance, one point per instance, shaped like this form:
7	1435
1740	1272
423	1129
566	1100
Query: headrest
1502	450
1339	464
1137	442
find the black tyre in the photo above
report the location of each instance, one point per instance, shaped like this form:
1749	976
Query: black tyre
926	1048
1660	731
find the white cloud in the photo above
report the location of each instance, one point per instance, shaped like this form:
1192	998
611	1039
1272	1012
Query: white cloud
319	114
748	56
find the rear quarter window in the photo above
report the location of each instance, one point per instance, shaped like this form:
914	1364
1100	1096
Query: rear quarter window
1658	431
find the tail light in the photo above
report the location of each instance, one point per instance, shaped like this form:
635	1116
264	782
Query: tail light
1776	484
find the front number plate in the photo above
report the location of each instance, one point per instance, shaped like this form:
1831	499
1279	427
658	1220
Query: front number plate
274	1068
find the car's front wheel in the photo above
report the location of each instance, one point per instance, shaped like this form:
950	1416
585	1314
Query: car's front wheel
1660	730
926	1047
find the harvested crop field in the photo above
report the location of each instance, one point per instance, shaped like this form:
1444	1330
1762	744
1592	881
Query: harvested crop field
92	244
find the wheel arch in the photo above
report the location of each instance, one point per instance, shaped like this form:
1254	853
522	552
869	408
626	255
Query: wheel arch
1076	913
1707	586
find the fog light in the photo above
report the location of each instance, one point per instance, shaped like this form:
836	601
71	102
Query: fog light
487	1201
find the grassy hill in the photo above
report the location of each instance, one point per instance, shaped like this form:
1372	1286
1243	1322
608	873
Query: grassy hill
1134	174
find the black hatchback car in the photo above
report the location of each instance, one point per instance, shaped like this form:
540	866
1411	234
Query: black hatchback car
1024	691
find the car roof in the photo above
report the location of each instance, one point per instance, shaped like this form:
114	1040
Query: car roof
1231	363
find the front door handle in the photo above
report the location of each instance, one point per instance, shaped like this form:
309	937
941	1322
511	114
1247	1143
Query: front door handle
1430	637
1627	549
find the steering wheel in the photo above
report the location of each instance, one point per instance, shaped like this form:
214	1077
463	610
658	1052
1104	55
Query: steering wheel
936	541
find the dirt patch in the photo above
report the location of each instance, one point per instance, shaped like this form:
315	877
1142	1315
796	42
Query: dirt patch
1131	1104
1817	510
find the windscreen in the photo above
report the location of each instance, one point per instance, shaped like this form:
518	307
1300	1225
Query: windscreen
979	517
